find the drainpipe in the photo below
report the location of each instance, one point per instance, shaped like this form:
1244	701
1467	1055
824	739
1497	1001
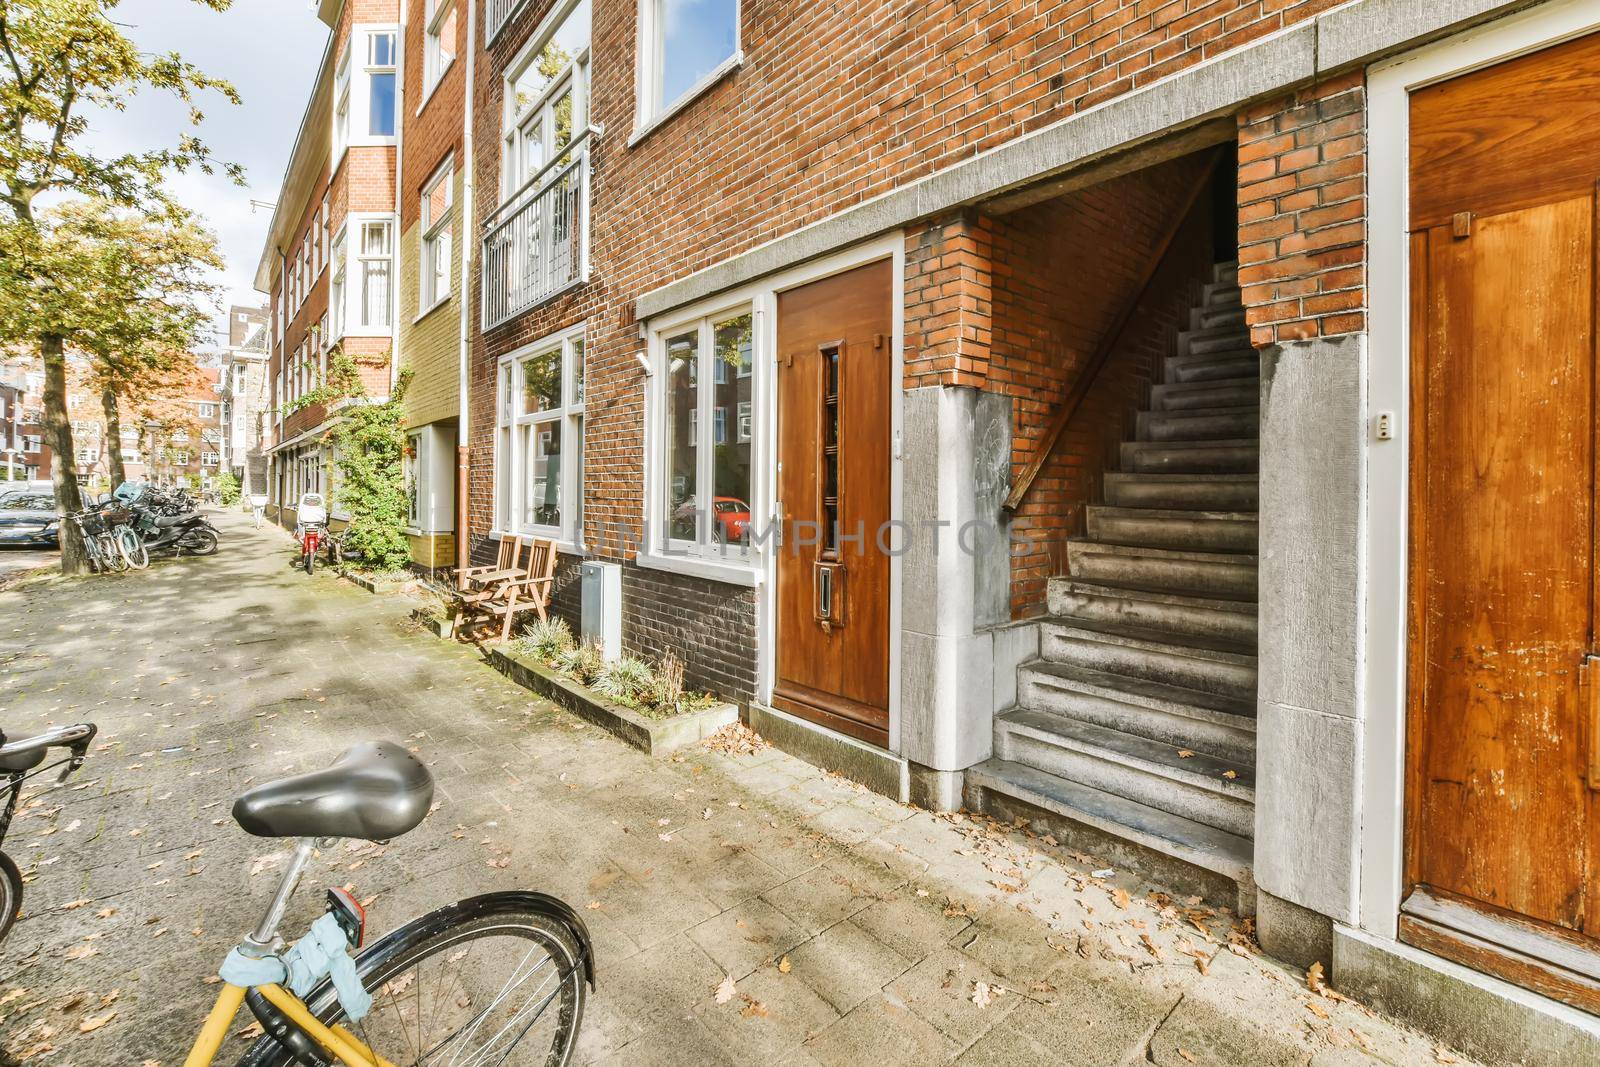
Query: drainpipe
399	186
468	243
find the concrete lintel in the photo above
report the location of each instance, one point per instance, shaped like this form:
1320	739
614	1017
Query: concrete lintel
1493	1020
1369	31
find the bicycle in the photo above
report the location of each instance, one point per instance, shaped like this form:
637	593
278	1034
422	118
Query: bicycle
20	758
99	543
312	998
311	525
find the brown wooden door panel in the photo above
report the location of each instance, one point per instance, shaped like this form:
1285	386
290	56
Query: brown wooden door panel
1502	812
1507	566
1517	134
834	363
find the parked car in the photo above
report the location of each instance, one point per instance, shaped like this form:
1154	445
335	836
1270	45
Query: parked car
28	488
733	519
30	519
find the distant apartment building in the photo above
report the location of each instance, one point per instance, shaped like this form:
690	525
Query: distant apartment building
329	262
246	403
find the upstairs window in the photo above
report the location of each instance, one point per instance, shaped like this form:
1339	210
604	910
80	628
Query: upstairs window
547	98
380	77
375	251
439	44
438	226
336	289
683	45
341	108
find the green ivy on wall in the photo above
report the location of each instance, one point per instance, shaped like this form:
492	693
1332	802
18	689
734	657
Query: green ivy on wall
369	447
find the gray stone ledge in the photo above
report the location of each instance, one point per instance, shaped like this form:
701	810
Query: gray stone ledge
1368	31
880	771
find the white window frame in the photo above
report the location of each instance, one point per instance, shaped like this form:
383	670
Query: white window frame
510	473
434	60
341	108
515	172
650	110
337	287
353	303
372	67
352	108
726	562
434	287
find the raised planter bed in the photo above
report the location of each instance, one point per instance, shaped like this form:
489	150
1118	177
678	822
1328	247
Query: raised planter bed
656	736
384	585
438	625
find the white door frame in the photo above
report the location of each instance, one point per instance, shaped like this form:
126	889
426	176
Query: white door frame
1389	86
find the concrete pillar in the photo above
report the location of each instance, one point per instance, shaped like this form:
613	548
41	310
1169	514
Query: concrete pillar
956	573
1313	560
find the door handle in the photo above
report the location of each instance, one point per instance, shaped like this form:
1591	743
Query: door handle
1590	691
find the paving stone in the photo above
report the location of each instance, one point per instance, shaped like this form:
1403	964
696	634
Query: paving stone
846	965
818	899
746	936
939	990
771	1015
882	1032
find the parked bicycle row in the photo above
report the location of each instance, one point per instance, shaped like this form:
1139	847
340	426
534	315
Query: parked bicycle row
137	522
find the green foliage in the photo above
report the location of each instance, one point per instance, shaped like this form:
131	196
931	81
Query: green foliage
547	638
369	446
582	663
624	680
227	487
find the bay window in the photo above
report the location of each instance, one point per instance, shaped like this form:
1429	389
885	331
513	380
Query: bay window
341	108
380	84
705	365
336	289
539	439
546	99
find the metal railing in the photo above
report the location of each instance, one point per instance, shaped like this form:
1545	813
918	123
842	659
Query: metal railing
496	13
536	243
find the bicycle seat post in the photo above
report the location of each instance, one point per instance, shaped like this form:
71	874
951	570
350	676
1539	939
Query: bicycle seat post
260	942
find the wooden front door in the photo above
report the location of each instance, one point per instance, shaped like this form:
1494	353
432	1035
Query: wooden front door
834	389
1503	767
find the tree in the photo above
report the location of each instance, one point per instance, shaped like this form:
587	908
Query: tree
369	445
60	59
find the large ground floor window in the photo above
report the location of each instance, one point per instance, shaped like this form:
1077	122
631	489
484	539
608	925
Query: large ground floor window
538	467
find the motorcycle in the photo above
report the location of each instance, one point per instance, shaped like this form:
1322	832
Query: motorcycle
311	525
185	534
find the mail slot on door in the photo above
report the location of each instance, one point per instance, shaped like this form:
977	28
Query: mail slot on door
829	594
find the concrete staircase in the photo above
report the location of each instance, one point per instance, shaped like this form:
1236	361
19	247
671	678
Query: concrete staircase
1138	719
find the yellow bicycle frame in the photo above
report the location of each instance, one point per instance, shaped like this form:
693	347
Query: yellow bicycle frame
336	1041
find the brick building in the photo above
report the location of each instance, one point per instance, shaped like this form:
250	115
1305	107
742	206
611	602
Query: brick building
1023	406
245	398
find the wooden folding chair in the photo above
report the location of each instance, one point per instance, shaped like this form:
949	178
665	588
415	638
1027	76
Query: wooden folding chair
530	592
505	561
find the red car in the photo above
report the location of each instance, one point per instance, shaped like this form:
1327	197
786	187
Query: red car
733	519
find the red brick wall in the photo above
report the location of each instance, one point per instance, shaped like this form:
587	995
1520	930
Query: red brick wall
436	132
1302	212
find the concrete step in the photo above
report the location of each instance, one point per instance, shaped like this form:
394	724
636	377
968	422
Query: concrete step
1184	396
1219	295
1135	768
1203	531
1238	456
1224	575
1214	366
1236	492
1212	665
1200	424
1153	609
1160	832
1221	339
1226	273
1220	725
1209	316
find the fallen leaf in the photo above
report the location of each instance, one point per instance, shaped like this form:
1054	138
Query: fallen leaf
983	993
88	1026
1184	753
725	990
784	966
1230	774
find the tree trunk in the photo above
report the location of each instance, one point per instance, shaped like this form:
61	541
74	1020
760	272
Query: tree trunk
58	432
108	404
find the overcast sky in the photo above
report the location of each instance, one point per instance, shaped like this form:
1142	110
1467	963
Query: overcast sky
269	50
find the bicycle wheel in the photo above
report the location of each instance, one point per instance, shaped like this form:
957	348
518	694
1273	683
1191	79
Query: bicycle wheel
131	545
10	894
109	553
499	979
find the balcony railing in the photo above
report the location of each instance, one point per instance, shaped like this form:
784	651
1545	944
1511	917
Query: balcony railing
536	244
496	13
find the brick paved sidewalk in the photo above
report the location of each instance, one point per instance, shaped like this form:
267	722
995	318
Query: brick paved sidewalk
856	930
